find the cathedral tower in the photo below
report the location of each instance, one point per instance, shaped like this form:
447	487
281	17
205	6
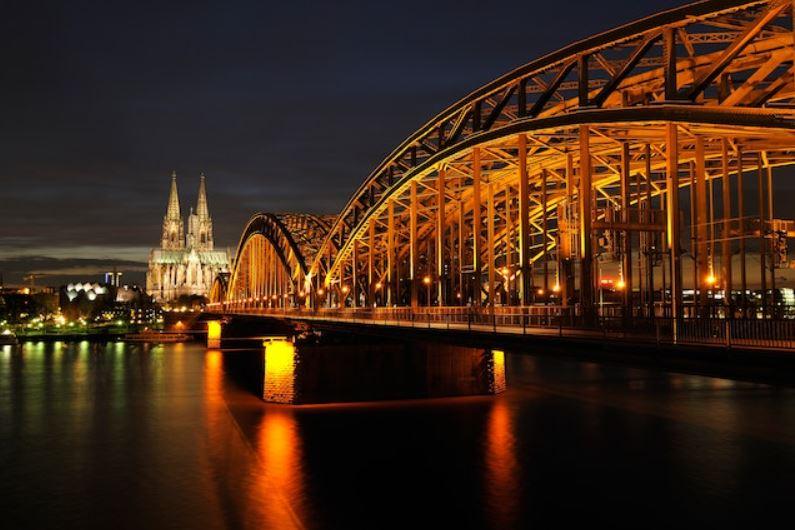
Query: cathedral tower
200	224
173	227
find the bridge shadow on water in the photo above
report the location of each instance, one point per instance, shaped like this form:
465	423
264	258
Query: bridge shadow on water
315	369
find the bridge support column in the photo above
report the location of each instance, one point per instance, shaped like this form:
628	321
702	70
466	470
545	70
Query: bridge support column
702	254
544	237
741	226
524	225
441	274
413	247
354	275
214	332
726	245
626	250
760	183
477	230
491	242
371	282
391	277
565	250
672	219
461	239
585	214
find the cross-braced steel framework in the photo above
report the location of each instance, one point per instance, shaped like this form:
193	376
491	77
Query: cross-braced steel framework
272	259
638	161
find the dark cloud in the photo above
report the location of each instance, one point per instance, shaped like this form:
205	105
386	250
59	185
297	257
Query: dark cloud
57	271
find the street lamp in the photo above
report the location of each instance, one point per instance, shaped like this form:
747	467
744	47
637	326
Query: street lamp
427	281
344	290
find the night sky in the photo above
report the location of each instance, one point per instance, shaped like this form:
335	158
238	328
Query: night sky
285	107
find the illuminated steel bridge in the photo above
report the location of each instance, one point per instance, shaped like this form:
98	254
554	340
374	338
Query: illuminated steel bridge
628	175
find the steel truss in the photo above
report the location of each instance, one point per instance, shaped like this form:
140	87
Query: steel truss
629	157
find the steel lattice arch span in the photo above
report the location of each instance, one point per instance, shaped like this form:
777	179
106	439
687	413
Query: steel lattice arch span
630	173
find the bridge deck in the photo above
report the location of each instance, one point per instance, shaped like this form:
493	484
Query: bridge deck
767	334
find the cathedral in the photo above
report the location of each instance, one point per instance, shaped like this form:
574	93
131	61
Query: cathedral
185	264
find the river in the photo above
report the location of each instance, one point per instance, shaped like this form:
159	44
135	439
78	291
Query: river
134	436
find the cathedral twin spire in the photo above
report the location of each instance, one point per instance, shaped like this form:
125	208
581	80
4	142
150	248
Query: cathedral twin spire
200	227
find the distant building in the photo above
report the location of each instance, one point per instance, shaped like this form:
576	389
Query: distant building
113	278
101	302
185	264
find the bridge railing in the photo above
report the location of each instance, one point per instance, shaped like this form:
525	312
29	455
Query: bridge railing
562	321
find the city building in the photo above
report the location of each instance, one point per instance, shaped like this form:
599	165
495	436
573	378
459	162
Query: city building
185	264
113	277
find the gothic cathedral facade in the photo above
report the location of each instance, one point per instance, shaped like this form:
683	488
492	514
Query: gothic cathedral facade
185	264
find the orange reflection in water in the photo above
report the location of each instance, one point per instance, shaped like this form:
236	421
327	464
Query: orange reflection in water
501	468
213	368
280	484
258	460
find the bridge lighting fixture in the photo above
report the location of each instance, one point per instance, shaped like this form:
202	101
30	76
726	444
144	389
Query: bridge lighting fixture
321	292
711	279
556	288
378	285
540	292
620	285
345	289
426	280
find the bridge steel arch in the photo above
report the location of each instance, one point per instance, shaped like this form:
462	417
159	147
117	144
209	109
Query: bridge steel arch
270	268
219	288
624	151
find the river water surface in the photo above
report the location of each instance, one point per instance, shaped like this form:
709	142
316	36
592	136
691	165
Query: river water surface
135	436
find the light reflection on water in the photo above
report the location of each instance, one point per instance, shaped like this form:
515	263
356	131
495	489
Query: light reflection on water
135	436
501	466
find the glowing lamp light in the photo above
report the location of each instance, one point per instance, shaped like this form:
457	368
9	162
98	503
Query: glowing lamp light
711	279
426	280
378	285
556	288
321	292
540	292
345	289
620	284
